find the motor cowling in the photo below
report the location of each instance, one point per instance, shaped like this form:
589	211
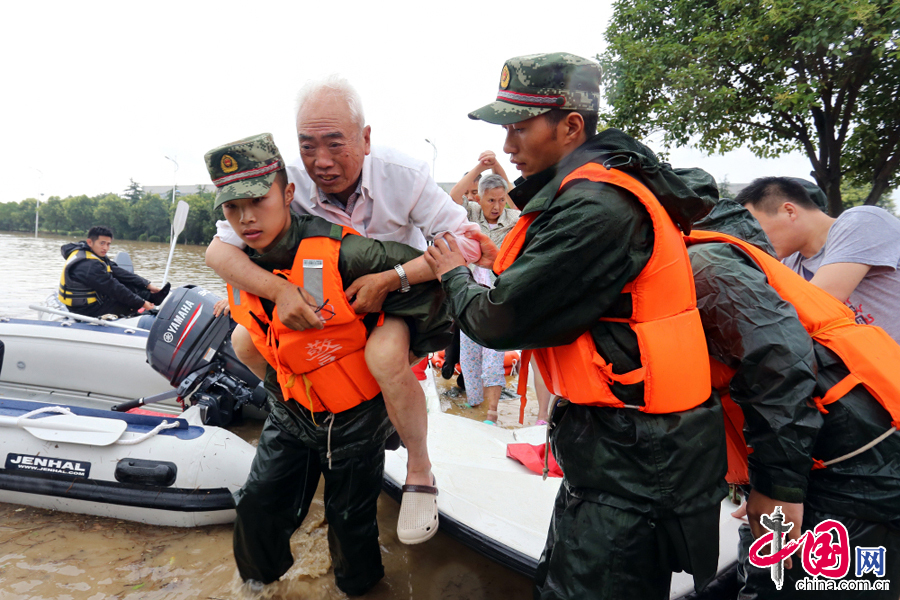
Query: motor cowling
191	347
185	335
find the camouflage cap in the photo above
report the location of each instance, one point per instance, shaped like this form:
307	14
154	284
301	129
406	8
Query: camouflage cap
534	84
245	168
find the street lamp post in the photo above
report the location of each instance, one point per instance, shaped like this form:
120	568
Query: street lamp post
37	205
433	158
174	178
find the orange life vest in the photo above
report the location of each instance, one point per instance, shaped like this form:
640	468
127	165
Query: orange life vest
322	369
664	318
868	352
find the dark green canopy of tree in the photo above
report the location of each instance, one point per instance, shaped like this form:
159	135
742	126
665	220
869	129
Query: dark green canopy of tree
819	76
136	215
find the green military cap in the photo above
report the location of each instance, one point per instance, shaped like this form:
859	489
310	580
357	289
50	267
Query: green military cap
245	168
534	84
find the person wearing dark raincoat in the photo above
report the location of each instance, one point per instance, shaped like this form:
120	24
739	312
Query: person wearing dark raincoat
778	369
641	494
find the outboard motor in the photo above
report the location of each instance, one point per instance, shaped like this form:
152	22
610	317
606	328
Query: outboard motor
191	348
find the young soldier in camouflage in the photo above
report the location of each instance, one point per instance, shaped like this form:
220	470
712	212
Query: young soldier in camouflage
316	429
633	506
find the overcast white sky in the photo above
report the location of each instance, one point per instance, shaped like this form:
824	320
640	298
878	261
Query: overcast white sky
95	93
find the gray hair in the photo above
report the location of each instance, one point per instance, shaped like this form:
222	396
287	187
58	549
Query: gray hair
337	87
490	182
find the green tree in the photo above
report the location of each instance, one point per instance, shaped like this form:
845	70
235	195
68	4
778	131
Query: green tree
79	213
112	212
856	196
820	76
6	215
53	215
723	185
133	192
23	215
201	222
150	215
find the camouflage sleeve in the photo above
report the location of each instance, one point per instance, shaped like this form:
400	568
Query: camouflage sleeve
423	307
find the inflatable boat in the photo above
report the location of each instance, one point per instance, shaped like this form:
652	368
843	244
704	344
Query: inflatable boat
158	470
62	361
497	506
180	357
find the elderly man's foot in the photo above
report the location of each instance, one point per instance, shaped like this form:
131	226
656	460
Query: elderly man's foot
418	520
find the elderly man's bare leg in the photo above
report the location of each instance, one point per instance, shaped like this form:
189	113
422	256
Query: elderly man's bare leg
387	356
246	352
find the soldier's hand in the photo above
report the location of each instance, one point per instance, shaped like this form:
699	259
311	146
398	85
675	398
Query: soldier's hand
367	293
148	306
295	307
759	504
153	289
489	251
444	255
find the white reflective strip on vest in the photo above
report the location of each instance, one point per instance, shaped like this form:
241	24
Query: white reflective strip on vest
312	279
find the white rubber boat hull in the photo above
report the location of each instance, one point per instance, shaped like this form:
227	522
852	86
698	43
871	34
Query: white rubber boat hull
497	506
181	477
78	357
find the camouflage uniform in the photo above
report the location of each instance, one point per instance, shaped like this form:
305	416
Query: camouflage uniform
641	493
297	448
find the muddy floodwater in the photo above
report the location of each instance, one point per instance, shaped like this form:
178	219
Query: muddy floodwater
51	555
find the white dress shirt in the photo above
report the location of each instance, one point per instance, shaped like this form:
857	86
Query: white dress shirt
399	202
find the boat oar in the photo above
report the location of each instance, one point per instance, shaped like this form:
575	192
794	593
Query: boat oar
181	213
69	428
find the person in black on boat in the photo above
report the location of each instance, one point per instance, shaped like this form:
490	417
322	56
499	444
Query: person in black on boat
93	285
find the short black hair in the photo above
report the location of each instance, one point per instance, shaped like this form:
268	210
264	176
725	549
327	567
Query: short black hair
281	178
98	230
769	193
591	119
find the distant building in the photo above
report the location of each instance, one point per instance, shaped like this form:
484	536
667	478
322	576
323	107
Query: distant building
191	188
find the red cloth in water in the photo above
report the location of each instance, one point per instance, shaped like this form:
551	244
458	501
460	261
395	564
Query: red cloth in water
532	456
419	369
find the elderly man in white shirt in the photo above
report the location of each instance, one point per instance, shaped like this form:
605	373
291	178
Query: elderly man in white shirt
383	195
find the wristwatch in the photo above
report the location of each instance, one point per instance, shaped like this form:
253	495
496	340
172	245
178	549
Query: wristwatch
404	282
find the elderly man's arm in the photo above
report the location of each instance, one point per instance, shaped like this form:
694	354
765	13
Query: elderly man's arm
433	212
236	268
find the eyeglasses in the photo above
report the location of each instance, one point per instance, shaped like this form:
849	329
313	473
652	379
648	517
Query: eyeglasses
325	310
